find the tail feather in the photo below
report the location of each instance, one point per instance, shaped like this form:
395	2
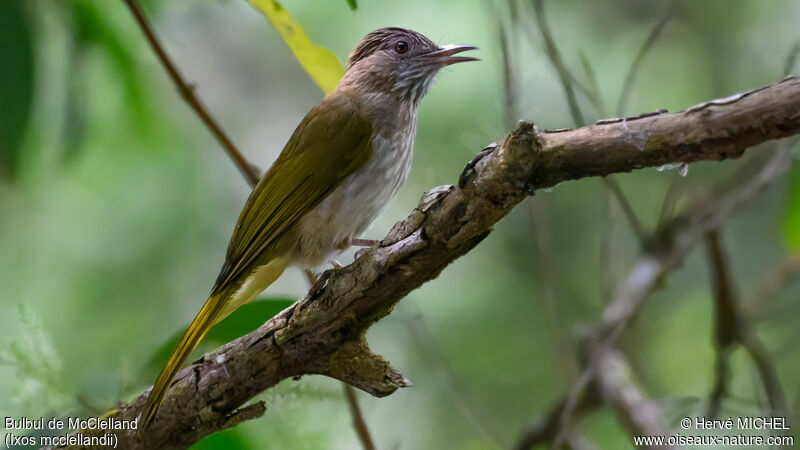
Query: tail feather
216	308
208	315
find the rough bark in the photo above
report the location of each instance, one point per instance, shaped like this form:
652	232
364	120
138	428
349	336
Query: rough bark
323	333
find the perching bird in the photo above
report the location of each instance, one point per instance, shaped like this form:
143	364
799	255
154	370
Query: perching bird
341	167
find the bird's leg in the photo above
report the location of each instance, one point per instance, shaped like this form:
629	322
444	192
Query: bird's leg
346	243
363	242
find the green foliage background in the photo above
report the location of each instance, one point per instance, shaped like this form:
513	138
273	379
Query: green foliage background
116	206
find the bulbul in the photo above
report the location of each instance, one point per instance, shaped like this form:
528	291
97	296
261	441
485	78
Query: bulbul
341	167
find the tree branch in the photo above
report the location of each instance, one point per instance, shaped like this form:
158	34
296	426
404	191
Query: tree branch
323	333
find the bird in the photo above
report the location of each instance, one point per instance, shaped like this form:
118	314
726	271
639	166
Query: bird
338	171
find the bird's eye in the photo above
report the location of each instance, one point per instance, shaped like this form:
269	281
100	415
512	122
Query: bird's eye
401	47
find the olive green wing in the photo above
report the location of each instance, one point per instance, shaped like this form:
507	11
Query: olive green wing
332	141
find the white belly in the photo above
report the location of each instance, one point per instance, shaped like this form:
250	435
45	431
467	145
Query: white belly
350	209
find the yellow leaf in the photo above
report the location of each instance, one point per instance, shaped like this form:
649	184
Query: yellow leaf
320	63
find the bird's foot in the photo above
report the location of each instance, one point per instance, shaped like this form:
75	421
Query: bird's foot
360	252
363	242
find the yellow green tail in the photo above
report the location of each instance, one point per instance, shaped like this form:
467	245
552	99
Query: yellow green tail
209	315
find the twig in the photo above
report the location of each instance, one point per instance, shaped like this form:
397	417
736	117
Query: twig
558	63
731	329
791	59
606	257
358	419
427	345
541	232
580	389
639	415
545	429
674	241
637	62
773	280
592	92
509	96
726	318
766	371
671	197
627	209
187	92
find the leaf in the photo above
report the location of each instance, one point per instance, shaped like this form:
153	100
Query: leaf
320	63
791	223
246	318
16	82
352	4
224	440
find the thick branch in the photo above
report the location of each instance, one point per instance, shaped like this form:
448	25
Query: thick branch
323	332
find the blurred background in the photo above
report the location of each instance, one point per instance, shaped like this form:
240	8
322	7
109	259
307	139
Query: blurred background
116	206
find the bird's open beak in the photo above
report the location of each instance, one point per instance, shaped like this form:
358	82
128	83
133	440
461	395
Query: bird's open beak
444	55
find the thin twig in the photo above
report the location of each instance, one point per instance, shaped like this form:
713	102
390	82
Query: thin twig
592	91
721	380
791	59
187	92
607	253
726	319
731	329
572	402
509	96
671	197
619	390
637	62
358	419
627	209
541	232
558	63
766	371
428	347
545	429
773	280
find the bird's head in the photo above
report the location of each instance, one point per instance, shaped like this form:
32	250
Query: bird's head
399	61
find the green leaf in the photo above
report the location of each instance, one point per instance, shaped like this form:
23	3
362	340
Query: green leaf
246	318
16	82
791	223
224	440
352	4
320	63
